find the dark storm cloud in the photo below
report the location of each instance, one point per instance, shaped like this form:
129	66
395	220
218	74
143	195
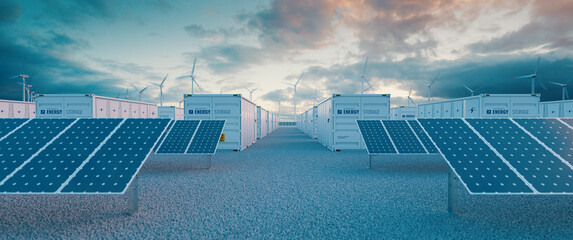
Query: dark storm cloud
9	11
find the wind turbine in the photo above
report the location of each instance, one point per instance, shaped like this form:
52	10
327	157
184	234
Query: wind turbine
429	86
409	98
139	91
363	78
564	93
533	76
126	92
192	76
251	93
471	90
294	87
179	100
23	76
160	85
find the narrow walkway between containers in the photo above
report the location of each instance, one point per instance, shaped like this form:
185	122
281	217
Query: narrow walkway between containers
288	185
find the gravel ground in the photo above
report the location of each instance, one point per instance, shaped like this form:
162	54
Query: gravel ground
288	186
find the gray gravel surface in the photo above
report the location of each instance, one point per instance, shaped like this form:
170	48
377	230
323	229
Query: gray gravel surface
288	186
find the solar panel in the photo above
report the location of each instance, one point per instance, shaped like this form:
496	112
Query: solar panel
478	167
568	121
179	137
47	171
8	125
115	165
553	133
404	139
544	171
19	146
163	135
419	131
207	137
375	136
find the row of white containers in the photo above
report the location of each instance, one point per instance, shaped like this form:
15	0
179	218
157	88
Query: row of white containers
333	121
17	109
91	106
483	106
241	115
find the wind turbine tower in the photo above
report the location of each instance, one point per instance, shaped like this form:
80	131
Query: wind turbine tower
564	93
533	77
294	97
160	85
23	76
139	91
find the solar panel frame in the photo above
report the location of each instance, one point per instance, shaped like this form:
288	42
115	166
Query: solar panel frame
164	135
2	137
417	137
537	191
169	132
389	137
216	145
135	173
426	141
365	142
75	126
544	130
421	146
461	180
567	121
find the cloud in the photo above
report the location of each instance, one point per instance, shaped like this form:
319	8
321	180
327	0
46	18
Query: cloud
549	28
230	58
9	11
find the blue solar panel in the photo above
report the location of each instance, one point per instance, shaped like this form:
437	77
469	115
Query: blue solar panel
179	137
163	135
419	131
477	166
404	139
8	125
26	141
569	121
553	133
207	137
114	166
375	137
51	167
543	170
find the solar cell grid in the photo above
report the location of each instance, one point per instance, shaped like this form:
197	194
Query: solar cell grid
114	166
419	131
568	121
207	137
26	141
477	166
553	133
375	137
179	137
163	135
7	125
545	172
403	137
50	168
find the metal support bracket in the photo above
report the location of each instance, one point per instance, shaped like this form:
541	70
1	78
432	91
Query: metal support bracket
133	200
452	192
370	159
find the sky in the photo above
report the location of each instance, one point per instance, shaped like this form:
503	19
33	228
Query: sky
103	47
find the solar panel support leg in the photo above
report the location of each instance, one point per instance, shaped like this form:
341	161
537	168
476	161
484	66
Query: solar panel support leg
133	201
452	192
209	164
370	159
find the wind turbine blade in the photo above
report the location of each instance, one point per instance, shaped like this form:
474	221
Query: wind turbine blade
537	65
194	61
133	85
524	76
299	79
164	79
247	89
365	67
14	77
541	84
255	89
186	76
351	77
569	80
410	92
143	89
556	83
435	79
469	89
156	84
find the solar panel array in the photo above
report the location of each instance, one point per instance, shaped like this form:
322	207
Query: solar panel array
179	137
375	137
394	137
507	156
76	155
192	137
423	136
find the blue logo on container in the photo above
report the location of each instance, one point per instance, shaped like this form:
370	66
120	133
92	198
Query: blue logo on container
202	111
339	112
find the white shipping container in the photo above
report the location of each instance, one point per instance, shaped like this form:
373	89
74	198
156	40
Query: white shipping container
262	122
91	106
240	114
483	106
17	109
554	109
404	112
171	112
337	128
